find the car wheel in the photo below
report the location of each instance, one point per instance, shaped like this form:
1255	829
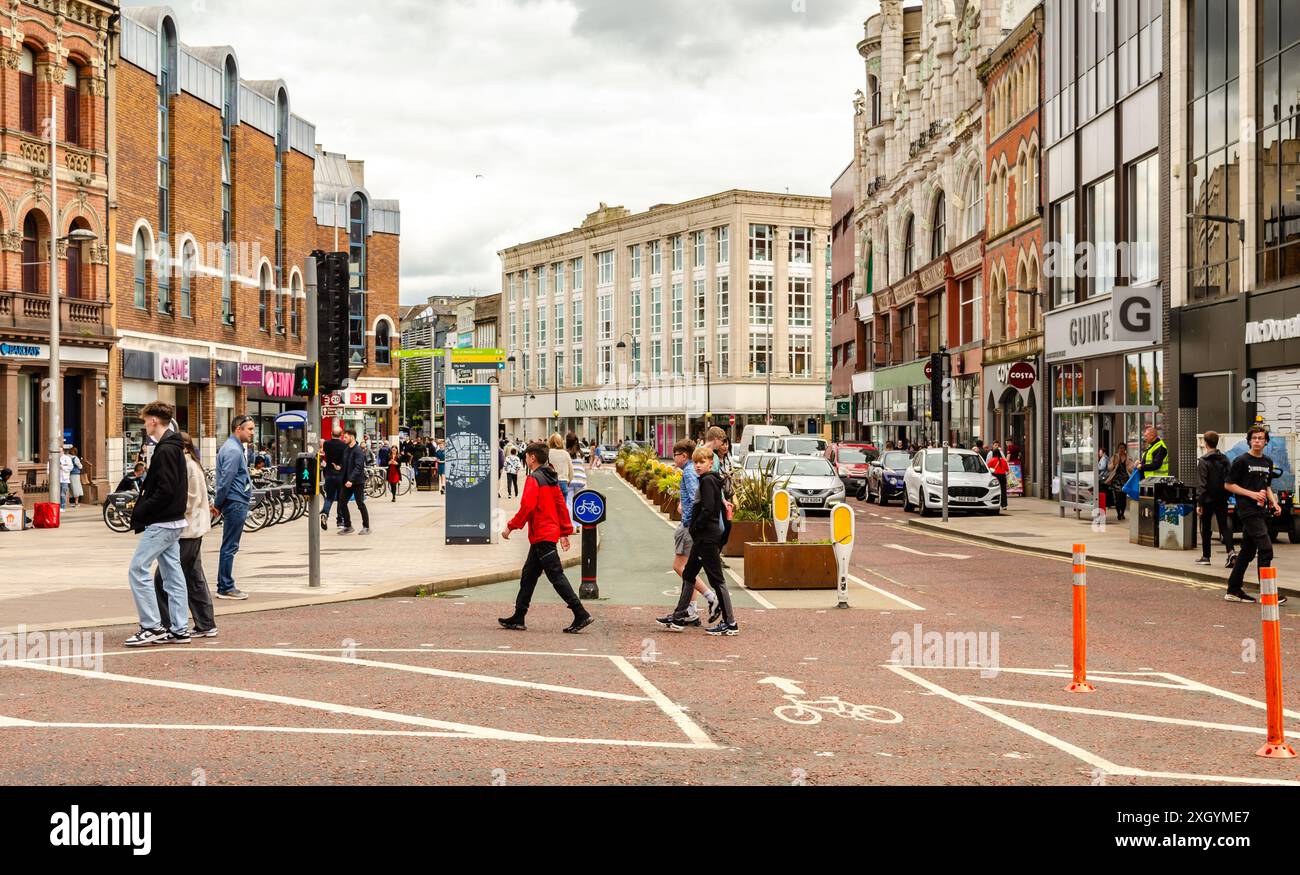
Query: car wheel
908	507
881	499
923	507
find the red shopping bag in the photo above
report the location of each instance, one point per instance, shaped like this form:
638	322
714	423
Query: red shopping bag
46	515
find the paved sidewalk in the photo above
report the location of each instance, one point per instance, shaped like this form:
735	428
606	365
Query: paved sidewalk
1036	525
75	575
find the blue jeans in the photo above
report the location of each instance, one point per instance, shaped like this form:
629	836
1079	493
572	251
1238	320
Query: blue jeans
163	546
333	492
232	529
64	489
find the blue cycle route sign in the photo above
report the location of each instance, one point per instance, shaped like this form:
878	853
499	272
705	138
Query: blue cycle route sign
589	507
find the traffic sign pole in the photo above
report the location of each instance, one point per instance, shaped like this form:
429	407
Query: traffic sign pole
589	512
313	435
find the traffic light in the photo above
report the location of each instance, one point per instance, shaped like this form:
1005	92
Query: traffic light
306	474
304	381
938	373
332	311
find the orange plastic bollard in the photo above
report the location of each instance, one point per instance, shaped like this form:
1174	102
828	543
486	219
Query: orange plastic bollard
1276	747
1080	683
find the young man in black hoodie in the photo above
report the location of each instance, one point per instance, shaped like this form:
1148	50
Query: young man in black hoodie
706	535
1212	473
159	519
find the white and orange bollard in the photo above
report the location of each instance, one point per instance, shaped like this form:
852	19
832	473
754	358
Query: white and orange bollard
1276	747
1080	683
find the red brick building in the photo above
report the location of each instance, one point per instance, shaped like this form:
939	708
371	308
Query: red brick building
848	349
54	55
221	193
1011	395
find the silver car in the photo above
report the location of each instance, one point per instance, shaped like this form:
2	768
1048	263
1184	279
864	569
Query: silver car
812	483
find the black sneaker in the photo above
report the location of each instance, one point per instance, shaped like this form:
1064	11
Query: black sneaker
1202	560
723	629
147	638
204	633
715	610
579	623
675	623
1238	596
233	594
346	530
512	623
1281	599
178	638
324	523
1230	561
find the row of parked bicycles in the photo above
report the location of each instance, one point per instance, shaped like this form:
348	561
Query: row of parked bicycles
273	503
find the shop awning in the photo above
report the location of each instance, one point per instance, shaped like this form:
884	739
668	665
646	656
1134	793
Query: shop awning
292	419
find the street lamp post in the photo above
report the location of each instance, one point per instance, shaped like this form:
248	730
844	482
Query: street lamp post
708	396
632	354
511	361
555	410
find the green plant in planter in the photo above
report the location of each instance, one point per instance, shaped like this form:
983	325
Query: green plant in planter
753	496
671	484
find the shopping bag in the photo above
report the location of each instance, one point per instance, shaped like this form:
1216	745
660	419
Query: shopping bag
1131	487
46	515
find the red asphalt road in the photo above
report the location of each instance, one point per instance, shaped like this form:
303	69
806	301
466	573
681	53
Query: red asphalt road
728	731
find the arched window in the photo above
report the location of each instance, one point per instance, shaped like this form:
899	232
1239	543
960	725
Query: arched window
938	224
908	236
31	255
228	120
873	87
141	269
1022	285
187	280
974	203
71	104
263	297
72	277
358	228
1003	321
1031	321
383	344
1031	202
295	298
27	91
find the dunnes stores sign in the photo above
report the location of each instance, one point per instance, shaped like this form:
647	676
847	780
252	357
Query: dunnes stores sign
602	403
1267	330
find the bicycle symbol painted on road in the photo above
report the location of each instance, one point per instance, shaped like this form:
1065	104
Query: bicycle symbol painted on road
806	712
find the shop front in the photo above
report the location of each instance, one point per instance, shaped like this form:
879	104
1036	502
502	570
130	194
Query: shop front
24	440
171	376
366	411
900	405
269	393
1107	386
1012	401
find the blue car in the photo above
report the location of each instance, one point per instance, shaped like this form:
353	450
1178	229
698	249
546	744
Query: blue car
885	477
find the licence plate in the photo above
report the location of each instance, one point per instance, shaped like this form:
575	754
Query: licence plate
964	499
812	501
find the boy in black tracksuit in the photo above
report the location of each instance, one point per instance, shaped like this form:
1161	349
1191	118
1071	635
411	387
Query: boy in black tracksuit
706	533
1212	474
1249	479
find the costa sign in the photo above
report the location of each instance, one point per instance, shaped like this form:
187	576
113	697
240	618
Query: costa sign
1019	375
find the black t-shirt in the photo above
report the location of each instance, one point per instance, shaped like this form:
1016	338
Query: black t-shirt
1253	474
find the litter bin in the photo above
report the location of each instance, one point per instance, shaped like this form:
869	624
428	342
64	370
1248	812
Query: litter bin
1176	507
425	472
1148	515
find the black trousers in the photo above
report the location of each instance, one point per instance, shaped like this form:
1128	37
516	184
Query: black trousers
196	583
357	492
705	555
512	485
333	489
543	557
1209	513
1002	481
1254	539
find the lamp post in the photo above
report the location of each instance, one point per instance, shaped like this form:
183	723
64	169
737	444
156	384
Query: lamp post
631	355
555	410
708	396
54	408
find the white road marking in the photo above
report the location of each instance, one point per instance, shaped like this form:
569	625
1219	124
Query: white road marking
902	601
1123	715
674	711
785	685
903	549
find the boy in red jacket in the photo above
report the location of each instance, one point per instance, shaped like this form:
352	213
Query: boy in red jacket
542	508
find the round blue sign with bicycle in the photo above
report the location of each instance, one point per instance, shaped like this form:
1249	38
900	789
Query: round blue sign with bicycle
589	507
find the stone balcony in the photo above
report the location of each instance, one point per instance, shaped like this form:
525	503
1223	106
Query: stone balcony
30	314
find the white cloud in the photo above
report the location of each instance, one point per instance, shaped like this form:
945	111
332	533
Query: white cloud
559	104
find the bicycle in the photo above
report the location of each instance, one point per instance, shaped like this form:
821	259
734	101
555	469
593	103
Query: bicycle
809	712
117	511
376	482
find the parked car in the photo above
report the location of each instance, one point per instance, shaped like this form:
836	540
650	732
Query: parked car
811	482
970	485
758	439
885	477
801	445
607	453
852	461
754	461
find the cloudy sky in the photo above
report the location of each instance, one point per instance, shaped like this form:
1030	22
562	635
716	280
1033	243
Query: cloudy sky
557	104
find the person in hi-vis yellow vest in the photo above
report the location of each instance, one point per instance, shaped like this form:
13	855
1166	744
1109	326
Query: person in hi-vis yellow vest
1155	459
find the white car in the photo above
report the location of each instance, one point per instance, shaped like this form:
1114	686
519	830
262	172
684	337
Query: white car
970	485
754	461
801	445
812	483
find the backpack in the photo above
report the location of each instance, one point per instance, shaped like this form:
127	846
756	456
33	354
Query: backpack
1215	472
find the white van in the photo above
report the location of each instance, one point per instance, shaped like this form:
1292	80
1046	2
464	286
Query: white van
758	439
